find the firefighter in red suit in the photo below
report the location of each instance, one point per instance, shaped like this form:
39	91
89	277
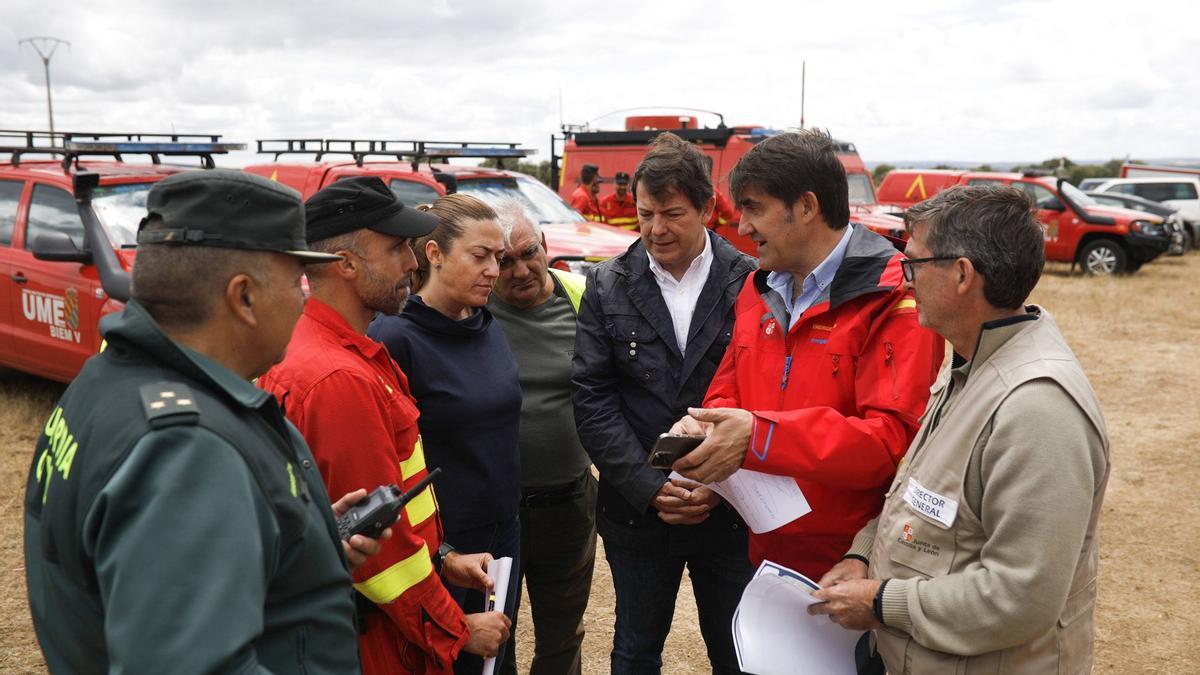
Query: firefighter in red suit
828	371
583	199
619	209
353	406
723	212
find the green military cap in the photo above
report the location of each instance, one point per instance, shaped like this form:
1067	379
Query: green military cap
227	208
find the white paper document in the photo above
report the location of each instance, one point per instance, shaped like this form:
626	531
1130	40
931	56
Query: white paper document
499	569
774	634
766	502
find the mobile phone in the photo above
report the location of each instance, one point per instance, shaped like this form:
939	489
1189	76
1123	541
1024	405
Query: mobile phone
670	447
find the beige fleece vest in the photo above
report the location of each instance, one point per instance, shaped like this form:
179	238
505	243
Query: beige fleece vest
929	540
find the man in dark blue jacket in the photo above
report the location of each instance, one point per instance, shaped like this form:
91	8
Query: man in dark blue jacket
653	326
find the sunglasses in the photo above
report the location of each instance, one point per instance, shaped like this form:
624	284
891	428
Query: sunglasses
906	265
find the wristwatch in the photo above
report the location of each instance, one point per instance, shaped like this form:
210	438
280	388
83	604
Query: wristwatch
444	550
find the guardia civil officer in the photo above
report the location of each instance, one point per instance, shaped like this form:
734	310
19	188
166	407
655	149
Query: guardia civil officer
174	521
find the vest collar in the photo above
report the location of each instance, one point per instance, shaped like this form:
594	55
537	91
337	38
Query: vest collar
993	335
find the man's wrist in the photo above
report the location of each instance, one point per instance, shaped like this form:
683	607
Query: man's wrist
439	558
859	558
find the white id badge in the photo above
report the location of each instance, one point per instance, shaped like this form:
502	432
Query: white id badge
930	504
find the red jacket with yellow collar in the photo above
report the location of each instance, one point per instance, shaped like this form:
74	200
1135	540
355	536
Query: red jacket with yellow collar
836	399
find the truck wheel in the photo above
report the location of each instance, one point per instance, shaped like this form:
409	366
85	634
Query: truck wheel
1103	257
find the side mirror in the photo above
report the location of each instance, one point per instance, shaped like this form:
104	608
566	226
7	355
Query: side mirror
58	247
1051	204
449	180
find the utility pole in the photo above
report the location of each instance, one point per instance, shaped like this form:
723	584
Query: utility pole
45	48
802	69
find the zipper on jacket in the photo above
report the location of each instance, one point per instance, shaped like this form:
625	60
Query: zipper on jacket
837	358
787	369
889	354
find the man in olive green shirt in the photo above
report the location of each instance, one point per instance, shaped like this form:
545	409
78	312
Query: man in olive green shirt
174	520
984	557
536	308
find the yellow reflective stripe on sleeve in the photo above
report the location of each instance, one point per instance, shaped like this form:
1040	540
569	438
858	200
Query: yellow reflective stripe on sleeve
415	462
622	221
420	508
906	303
392	582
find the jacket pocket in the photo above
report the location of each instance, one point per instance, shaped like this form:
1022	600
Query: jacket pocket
1074	631
637	347
921	546
302	651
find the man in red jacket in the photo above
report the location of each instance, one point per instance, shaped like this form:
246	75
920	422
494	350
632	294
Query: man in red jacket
619	209
583	199
828	371
352	404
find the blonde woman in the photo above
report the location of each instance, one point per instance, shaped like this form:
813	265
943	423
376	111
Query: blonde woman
464	378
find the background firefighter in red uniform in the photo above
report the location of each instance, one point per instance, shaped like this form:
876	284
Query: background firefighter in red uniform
828	371
619	209
723	211
583	199
352	403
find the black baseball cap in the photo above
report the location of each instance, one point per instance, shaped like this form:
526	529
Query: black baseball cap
621	178
587	171
226	208
363	202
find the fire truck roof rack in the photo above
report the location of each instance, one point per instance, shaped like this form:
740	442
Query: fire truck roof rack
361	148
72	145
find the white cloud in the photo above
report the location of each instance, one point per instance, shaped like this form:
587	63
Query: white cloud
940	79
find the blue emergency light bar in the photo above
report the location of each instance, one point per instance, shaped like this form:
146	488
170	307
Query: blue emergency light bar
136	148
72	145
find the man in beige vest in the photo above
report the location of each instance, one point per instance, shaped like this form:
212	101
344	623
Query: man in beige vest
984	556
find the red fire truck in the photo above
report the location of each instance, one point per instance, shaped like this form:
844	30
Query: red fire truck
419	172
621	150
68	227
1079	230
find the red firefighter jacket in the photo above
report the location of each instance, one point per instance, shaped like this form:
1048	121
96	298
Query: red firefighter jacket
583	201
620	212
836	399
723	213
352	404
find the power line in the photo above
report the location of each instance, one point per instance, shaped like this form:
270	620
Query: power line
45	47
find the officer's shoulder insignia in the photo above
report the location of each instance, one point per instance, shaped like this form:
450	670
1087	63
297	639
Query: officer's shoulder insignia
168	403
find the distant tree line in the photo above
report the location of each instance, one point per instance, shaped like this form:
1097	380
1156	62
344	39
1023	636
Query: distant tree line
539	170
1058	166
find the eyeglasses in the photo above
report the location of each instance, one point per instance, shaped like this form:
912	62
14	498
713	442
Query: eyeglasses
906	265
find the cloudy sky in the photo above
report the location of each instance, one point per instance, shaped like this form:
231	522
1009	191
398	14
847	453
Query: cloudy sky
921	80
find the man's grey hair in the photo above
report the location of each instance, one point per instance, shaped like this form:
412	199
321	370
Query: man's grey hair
510	213
993	226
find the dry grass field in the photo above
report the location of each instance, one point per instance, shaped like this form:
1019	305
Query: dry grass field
1139	340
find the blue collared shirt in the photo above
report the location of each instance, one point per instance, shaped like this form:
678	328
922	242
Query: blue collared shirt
814	284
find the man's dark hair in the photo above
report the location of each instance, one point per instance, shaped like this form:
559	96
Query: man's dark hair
179	285
674	164
993	226
786	166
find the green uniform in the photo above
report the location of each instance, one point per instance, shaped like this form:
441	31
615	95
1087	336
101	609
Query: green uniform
176	523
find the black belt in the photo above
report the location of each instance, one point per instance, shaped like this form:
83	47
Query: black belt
539	497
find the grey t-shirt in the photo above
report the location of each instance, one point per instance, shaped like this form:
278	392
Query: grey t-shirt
543	341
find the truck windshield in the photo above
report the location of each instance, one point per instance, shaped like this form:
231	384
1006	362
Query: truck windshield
539	202
121	209
860	189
